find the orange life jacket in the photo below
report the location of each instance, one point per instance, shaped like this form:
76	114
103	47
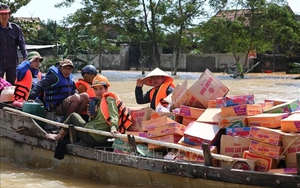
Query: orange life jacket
89	90
24	86
124	113
161	93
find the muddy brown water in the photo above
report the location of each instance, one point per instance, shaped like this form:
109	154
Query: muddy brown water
263	86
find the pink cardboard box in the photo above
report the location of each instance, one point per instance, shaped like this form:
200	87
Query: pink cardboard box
197	133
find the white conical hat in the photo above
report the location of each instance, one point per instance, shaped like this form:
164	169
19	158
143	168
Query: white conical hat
156	72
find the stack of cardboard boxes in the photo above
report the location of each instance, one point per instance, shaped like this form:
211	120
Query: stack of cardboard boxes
233	125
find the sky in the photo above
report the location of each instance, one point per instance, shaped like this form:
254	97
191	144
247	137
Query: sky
44	9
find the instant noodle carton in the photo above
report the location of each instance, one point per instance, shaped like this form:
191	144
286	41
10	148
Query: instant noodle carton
287	107
235	121
291	145
265	149
139	115
241	110
192	112
187	120
238	131
266	135
267	120
234	100
234	146
206	87
241	164
211	116
197	133
171	138
165	129
156	122
284	170
291	123
264	163
212	104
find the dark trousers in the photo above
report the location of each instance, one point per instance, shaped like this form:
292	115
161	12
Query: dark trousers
10	75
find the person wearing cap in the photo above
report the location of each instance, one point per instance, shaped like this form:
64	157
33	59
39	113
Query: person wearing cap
59	89
97	119
27	76
162	85
11	38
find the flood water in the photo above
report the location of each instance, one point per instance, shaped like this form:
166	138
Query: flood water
262	85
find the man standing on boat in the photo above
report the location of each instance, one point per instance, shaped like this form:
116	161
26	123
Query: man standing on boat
162	86
11	37
59	89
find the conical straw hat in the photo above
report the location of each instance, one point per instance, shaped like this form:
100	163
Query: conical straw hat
156	72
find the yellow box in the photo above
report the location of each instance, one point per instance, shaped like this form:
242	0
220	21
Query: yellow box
264	149
268	120
291	123
266	135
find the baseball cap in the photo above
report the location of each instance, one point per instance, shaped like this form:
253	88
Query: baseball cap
4	8
66	62
30	55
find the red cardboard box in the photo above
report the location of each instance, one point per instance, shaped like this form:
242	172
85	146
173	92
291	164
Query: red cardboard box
264	164
197	133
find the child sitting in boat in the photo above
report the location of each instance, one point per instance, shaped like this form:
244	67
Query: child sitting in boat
84	85
104	116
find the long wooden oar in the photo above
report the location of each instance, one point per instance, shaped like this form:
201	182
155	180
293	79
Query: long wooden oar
123	136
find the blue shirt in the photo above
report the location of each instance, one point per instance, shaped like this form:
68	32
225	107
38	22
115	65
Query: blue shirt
10	39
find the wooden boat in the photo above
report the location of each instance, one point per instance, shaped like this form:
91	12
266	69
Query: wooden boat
22	140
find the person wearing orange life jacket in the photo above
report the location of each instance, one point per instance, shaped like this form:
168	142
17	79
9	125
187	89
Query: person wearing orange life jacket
27	75
162	86
84	85
98	120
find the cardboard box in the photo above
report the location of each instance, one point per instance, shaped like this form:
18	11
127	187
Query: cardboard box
264	149
165	129
291	123
234	146
264	164
199	158
267	105
211	116
238	131
284	170
277	101
171	138
121	146
234	100
206	87
241	110
170	115
139	115
192	112
235	121
266	135
197	133
287	107
156	122
139	134
240	163
266	120
212	104
187	120
291	145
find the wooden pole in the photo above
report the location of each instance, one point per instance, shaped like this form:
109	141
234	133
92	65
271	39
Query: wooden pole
123	136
